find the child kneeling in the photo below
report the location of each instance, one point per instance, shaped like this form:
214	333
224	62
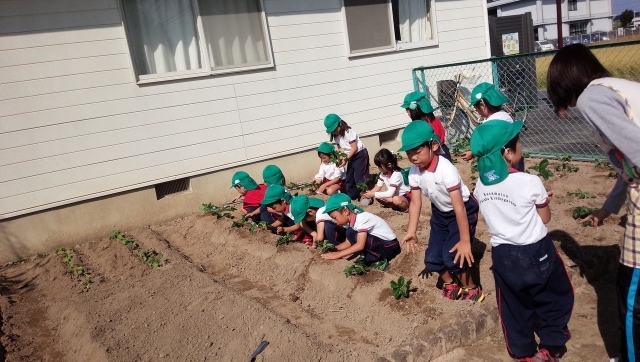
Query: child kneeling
531	280
309	213
330	177
367	233
398	194
251	194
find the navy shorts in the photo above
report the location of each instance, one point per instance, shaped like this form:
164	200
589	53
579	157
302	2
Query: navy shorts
255	218
357	172
446	154
375	249
445	235
334	233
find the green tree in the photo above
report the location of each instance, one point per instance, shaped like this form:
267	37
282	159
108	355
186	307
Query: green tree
626	18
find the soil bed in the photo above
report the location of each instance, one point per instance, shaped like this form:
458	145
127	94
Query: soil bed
220	290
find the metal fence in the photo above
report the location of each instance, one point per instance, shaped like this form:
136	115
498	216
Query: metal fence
522	78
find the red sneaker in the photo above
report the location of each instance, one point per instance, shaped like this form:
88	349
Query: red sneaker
473	294
542	356
451	291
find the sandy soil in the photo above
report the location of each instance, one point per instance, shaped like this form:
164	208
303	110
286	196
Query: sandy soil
220	291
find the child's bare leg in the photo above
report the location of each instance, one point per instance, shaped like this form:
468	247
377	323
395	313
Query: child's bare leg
401	203
446	276
466	280
332	189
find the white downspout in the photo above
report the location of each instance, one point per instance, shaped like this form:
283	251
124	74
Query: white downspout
487	37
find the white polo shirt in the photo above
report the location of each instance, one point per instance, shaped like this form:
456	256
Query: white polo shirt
349	140
395	185
322	216
371	224
499	116
330	171
509	209
437	181
287	211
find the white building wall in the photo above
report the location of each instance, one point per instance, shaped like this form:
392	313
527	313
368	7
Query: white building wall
602	24
520	8
75	126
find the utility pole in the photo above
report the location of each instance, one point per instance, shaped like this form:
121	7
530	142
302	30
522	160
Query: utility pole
559	22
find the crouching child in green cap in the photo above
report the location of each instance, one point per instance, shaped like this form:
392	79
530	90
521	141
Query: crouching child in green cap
330	177
251	192
309	212
366	233
277	199
454	212
272	175
487	100
531	279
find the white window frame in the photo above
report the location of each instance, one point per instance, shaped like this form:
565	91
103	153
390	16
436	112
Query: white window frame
206	69
396	46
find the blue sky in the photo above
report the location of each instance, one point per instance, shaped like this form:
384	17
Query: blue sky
618	6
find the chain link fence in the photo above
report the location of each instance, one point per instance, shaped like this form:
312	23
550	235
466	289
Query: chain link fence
523	79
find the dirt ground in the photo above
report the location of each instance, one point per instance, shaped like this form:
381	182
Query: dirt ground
220	290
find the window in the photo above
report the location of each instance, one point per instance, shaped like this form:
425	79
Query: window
179	38
573	5
374	26
578	28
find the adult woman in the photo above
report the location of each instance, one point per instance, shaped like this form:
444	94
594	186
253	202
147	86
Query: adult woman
612	107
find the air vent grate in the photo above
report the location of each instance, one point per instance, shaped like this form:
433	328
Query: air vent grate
171	187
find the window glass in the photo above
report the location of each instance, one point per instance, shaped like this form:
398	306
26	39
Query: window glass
412	20
163	35
368	25
233	32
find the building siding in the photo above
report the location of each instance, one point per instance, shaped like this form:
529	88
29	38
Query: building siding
75	126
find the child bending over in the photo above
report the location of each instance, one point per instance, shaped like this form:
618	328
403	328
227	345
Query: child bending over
309	213
252	193
276	199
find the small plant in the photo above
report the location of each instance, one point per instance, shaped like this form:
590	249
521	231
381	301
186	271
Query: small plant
302	186
474	169
581	194
130	243
582	212
564	165
362	186
380	265
325	246
399	156
337	156
358	268
239	223
401	287
284	239
87	282
542	170
257	225
78	271
612	174
454	161
150	257
599	162
218	211
526	154
462	144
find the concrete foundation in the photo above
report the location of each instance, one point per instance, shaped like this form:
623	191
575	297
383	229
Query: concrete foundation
43	231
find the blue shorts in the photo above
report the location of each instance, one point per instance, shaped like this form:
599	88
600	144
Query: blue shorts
334	233
375	249
445	235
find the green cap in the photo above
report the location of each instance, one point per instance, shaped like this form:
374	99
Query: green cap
326	147
331	122
299	207
486	142
337	201
417	133
272	175
414	99
315	202
243	179
489	92
273	194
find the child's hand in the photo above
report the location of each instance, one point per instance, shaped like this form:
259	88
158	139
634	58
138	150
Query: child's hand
412	242
597	218
463	252
321	189
279	230
369	194
330	256
342	163
549	193
237	198
466	155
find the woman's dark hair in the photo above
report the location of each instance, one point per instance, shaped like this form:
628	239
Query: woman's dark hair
511	144
385	157
570	71
418	115
344	127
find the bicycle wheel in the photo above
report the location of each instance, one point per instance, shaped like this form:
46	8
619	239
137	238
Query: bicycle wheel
460	126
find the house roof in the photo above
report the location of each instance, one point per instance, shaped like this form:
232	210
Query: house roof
495	4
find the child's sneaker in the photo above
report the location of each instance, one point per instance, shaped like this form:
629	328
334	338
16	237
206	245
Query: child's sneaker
542	356
451	291
474	294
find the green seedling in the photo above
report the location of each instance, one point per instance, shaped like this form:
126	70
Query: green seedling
124	240
564	165
284	239
257	225
325	246
454	161
59	249
582	212
204	208
358	268
401	287
612	174
362	186
526	154
302	186
239	223
399	156
87	282
599	162
380	265
462	144
337	156
581	194
150	257
542	170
